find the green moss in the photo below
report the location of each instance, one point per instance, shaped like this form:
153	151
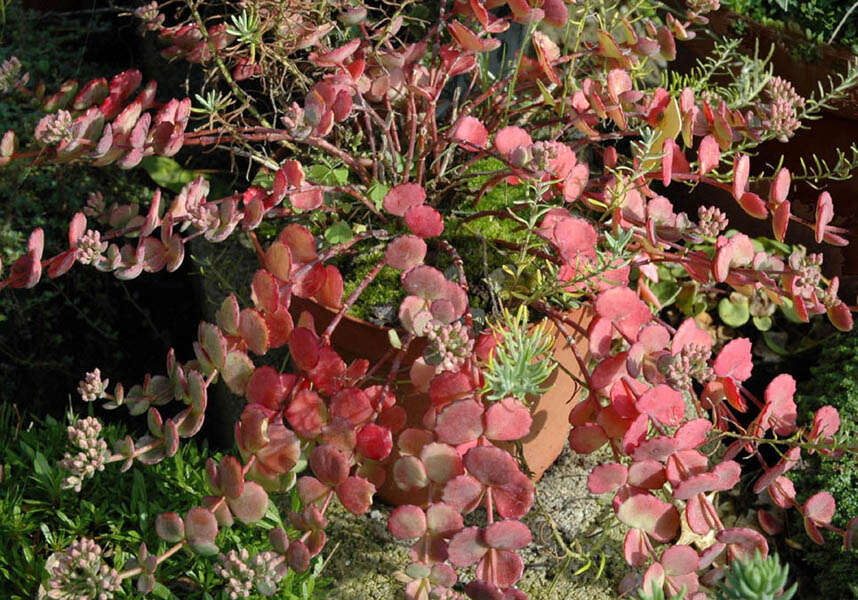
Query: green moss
834	381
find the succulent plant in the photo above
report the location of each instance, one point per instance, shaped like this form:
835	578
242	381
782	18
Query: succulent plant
756	578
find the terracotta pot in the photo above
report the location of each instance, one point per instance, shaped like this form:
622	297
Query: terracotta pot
355	338
838	128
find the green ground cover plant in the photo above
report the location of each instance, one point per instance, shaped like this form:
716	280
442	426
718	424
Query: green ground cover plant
39	518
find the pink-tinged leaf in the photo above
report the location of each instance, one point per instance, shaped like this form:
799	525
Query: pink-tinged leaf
442	462
738	251
824	215
658	448
468	40
692	434
407	522
679	560
405	252
467	547
780	220
413	440
635	434
230	477
556	12
352	404
254	332
264	293
278	260
508	420
782	492
645	511
697	516
690	333
819	508
779	411
745	540
463	493
309	200
237	370
329	464
311	490
306	414
728	474
201	530
298	556
460	422
355	494
61	263
335	57
826	422
840	316
741	170
507	535
709	154
293	173
299	240
374	441
646	474
77	227
402	197
471	133
170	527
506	567
213	344
424	221
304	348
787	462
663	404
443	520
514	498
666	43
779	189
607	477
587	438
635	548
547	52
252	505
425	281
770	524
734	360
409	473
752	204
696	484
490	465
509	138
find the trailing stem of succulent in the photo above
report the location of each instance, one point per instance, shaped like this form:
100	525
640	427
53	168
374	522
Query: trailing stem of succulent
597	234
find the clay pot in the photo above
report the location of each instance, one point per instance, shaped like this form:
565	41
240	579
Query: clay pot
838	128
354	338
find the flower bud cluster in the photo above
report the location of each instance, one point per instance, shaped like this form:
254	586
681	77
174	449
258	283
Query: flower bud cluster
55	128
783	109
92	387
95	205
10	71
89	250
84	434
691	363
243	573
808	274
449	346
79	573
150	14
712	221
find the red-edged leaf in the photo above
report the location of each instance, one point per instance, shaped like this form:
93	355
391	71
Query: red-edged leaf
734	360
402	197
471	133
709	154
779	189
741	170
607	477
645	511
407	522
824	215
507	420
663	404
